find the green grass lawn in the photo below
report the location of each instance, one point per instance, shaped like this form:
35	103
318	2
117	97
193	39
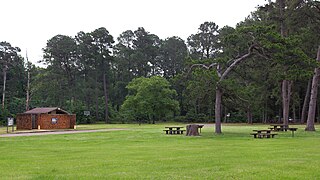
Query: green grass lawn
145	152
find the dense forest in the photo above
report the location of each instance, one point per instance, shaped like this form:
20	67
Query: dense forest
261	71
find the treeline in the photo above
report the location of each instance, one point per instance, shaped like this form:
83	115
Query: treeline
91	71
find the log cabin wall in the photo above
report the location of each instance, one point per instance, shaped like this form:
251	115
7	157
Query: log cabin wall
73	120
24	121
56	121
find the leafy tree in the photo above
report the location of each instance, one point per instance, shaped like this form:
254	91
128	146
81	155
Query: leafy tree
200	93
248	90
172	56
149	98
8	59
136	55
82	63
87	70
261	41
124	70
146	48
60	56
221	75
203	45
102	42
287	15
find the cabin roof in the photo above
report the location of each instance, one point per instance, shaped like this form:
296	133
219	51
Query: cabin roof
45	110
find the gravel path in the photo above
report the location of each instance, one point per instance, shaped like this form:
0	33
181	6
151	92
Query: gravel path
36	133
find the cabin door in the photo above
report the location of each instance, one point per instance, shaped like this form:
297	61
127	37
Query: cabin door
33	119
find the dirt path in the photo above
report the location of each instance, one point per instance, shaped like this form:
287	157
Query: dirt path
36	133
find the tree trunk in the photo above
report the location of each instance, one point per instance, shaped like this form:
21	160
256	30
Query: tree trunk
218	110
313	97
265	113
305	103
96	97
285	112
105	87
294	114
249	115
4	85
281	10
316	119
28	91
225	115
286	93
192	130
286	89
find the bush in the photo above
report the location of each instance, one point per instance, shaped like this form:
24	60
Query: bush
192	118
179	119
78	108
3	116
237	117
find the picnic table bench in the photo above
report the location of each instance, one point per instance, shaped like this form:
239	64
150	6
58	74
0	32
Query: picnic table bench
265	133
174	130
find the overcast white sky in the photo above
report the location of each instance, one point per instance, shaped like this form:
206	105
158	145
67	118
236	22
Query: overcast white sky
28	24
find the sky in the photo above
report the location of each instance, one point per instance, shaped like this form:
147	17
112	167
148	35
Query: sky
29	24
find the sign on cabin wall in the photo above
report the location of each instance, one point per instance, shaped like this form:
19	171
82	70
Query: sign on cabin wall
54	120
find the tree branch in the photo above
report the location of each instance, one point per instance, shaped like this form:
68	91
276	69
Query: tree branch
237	61
202	66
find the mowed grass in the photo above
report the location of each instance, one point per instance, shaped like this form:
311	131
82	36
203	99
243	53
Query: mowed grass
145	152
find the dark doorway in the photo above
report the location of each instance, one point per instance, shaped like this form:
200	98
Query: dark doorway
33	118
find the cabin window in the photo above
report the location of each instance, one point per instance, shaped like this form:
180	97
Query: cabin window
54	120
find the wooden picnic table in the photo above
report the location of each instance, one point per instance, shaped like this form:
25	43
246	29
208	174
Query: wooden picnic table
200	126
282	127
292	130
277	127
174	130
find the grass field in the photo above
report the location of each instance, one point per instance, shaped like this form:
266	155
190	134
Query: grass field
145	152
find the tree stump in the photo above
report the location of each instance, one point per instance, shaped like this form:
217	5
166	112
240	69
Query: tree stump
192	130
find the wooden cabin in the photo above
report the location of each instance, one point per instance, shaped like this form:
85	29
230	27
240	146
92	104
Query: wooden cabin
45	118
